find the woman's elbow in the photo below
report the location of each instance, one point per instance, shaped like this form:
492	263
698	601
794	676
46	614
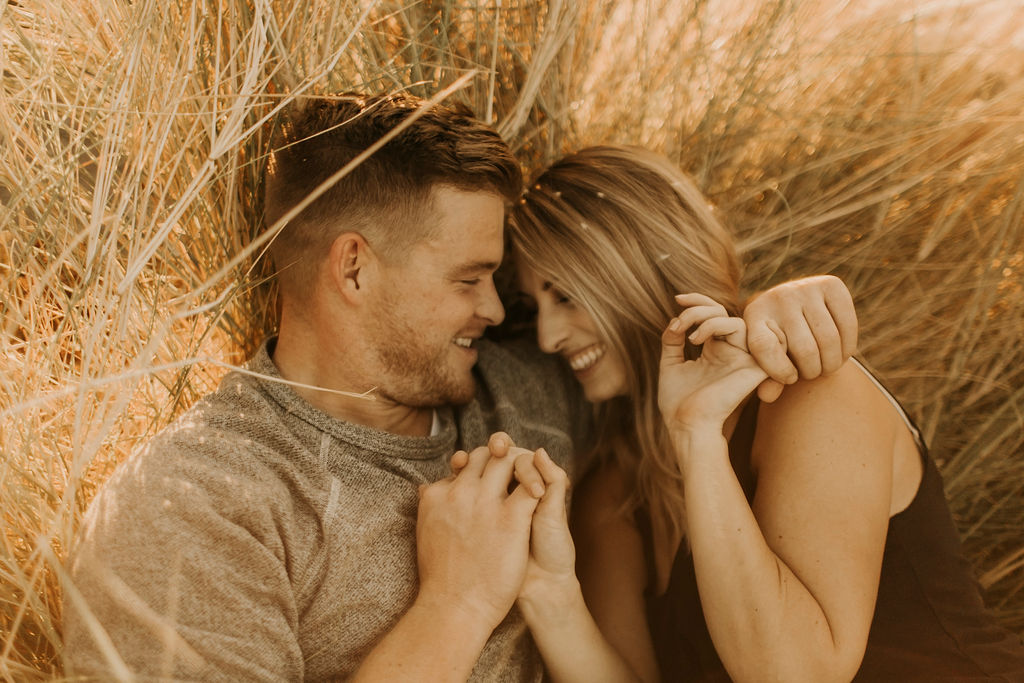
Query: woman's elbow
831	665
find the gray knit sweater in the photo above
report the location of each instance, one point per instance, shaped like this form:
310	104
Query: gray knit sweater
258	538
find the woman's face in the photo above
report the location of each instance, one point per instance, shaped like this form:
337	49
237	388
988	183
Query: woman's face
567	329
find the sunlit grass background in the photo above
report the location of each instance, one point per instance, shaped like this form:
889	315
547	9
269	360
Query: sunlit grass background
880	140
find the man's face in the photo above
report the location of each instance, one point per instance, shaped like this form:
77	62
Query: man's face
436	301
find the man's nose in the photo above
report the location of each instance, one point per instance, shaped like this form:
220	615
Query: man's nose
489	308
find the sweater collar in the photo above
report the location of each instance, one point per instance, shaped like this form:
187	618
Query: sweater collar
386	443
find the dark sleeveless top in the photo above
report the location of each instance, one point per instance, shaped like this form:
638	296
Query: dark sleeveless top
929	623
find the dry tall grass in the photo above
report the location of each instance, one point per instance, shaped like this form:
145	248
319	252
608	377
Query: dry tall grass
874	141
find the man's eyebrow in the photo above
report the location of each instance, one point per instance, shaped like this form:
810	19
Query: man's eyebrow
473	268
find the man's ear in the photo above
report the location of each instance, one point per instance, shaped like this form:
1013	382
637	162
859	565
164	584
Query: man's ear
351	263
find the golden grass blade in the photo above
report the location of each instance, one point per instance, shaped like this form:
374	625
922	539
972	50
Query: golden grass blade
880	140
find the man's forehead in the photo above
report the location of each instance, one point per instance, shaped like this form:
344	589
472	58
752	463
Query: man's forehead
445	200
466	218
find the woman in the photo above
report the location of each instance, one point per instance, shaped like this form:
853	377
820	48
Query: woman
805	539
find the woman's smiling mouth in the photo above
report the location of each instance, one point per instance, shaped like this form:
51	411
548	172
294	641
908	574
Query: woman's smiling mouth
585	359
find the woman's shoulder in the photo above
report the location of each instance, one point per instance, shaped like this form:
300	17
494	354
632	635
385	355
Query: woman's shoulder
840	435
846	403
850	385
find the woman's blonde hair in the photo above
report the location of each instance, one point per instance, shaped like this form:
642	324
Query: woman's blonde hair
621	231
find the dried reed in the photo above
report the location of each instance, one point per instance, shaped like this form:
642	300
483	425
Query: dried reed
871	141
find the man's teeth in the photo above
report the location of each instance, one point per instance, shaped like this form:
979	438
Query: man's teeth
585	359
464	342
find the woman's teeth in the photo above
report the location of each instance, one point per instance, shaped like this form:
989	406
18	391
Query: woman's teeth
586	359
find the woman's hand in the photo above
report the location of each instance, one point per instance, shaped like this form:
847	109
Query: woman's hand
702	393
551	568
551	600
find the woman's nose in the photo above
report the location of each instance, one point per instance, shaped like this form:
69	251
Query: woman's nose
552	330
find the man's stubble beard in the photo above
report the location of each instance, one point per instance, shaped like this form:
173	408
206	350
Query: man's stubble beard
415	375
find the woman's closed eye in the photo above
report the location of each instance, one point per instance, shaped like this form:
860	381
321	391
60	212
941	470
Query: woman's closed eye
557	296
561	299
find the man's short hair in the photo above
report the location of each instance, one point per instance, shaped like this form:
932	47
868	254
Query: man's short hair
386	198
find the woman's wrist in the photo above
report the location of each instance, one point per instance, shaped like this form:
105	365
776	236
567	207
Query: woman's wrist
695	426
698	442
551	599
569	640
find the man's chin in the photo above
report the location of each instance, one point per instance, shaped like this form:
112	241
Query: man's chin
464	397
450	396
462	391
457	396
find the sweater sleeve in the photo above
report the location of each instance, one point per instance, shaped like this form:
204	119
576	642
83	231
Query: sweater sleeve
180	572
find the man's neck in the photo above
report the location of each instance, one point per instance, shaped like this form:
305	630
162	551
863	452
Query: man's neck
336	387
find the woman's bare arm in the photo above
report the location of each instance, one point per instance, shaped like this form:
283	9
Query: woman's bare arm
789	586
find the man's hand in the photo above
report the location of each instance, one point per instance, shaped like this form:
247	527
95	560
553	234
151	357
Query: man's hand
473	538
800	330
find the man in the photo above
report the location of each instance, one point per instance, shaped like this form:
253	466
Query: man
271	532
